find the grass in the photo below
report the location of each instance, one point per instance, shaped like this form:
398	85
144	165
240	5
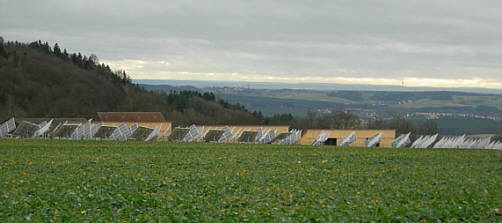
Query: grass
97	181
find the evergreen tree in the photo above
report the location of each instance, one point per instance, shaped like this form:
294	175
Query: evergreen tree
94	59
65	54
57	50
74	58
46	48
2	50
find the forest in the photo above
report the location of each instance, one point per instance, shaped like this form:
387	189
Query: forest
38	80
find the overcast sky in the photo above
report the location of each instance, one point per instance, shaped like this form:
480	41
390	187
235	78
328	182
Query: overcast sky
423	43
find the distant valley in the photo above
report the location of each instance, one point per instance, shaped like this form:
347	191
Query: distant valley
455	112
419	104
308	86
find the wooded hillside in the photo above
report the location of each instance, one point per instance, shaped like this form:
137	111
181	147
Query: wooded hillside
38	80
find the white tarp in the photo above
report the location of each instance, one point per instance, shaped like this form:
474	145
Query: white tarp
481	143
373	141
200	136
450	142
87	128
155	132
204	133
119	133
192	134
43	128
239	133
402	141
94	129
293	137
82	132
296	135
417	141
259	134
321	139
461	142
6	127
129	131
424	141
346	141
267	137
79	131
494	145
227	134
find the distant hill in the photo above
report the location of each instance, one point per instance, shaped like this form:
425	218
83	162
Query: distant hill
379	103
169	88
460	126
454	112
309	86
37	80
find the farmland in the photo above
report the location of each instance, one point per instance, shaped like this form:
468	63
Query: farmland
45	180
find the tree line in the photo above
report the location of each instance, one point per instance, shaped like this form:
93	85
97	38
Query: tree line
345	119
82	61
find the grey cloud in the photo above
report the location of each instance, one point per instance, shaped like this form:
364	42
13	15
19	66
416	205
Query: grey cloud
428	39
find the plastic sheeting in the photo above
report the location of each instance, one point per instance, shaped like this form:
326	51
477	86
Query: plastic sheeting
477	143
6	127
82	132
347	140
288	138
402	141
494	145
424	141
43	128
227	134
249	137
155	132
130	131
237	134
119	133
94	129
192	134
450	142
319	141
462	142
267	137
374	140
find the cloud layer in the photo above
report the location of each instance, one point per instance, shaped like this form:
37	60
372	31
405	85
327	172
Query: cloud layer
442	43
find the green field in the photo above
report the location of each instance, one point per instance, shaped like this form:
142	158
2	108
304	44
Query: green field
299	101
42	180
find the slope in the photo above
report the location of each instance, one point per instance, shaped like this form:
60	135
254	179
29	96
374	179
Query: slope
37	80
